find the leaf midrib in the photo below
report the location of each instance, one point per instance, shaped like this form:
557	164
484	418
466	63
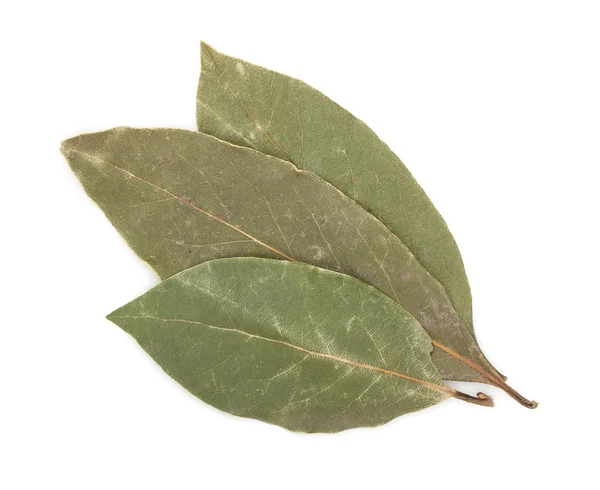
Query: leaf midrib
183	201
441	388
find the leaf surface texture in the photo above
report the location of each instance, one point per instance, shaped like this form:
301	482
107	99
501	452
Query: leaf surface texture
287	343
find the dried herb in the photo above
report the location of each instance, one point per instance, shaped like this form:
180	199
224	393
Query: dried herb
279	115
305	348
367	307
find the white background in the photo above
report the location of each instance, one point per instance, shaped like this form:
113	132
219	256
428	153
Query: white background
495	108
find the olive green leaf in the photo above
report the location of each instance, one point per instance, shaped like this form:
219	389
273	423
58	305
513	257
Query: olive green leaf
279	115
181	198
287	343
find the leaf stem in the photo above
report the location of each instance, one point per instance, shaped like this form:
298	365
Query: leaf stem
496	381
481	398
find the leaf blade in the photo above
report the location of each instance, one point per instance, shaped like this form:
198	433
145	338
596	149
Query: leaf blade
260	109
305	348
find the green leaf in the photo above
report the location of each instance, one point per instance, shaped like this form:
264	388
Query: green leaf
181	198
290	344
279	115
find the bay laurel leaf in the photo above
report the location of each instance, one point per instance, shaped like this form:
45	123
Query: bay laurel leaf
282	116
287	343
180	198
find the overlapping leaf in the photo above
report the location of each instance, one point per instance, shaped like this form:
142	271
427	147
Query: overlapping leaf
287	343
282	116
181	198
279	115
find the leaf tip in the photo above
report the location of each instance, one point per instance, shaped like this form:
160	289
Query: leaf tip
116	315
66	146
205	47
111	316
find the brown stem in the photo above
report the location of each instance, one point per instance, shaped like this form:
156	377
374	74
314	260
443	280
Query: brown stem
481	398
494	380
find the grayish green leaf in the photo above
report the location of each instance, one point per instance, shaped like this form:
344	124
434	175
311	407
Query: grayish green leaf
287	343
251	106
181	198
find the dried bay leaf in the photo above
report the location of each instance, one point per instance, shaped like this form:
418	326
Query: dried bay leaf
287	343
276	114
282	116
181	198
